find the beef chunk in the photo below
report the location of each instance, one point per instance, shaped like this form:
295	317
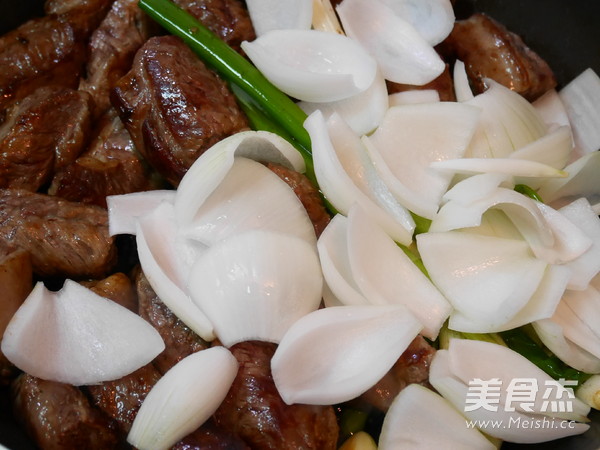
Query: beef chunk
179	340
411	367
110	166
254	410
489	50
83	15
16	281
210	437
40	52
116	287
59	416
228	19
308	195
121	399
174	107
45	130
112	48
443	84
65	239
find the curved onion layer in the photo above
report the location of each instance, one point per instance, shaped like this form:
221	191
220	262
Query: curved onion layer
385	275
551	109
254	285
508	122
183	399
579	314
161	278
433	19
123	210
211	167
362	112
332	355
250	196
77	337
515	167
407	423
402	54
268	15
465	361
462	88
468	268
414	97
553	149
346	176
409	139
552	336
311	65
589	392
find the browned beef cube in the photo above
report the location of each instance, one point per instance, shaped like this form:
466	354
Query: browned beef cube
46	130
174	107
210	437
489	50
228	19
64	239
179	340
59	416
116	287
83	15
40	52
254	410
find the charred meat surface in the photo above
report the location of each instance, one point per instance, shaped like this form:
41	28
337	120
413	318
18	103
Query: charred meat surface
254	411
112	48
210	437
83	15
110	166
307	194
179	340
489	50
41	52
174	107
411	367
65	239
121	399
228	19
59	416
46	130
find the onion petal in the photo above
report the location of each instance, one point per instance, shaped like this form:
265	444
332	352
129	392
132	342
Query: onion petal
123	210
267	15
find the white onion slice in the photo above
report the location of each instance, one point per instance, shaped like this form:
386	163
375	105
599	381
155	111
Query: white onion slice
462	88
553	149
324	17
363	112
586	306
343	182
468	267
409	139
551	109
387	276
268	15
403	55
413	97
455	390
515	167
335	264
476	187
250	196
589	392
211	167
334	354
167	290
552	336
123	210
256	284
574	329
433	19
581	98
77	337
311	65
183	399
407	424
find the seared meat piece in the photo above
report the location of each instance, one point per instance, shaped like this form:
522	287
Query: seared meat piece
16	281
229	19
308	195
112	48
121	399
179	340
117	287
40	52
411	367
59	416
110	166
46	130
83	15
174	107
489	50
209	437
255	412
442	84
65	239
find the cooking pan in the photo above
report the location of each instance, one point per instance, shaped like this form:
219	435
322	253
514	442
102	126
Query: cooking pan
564	33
